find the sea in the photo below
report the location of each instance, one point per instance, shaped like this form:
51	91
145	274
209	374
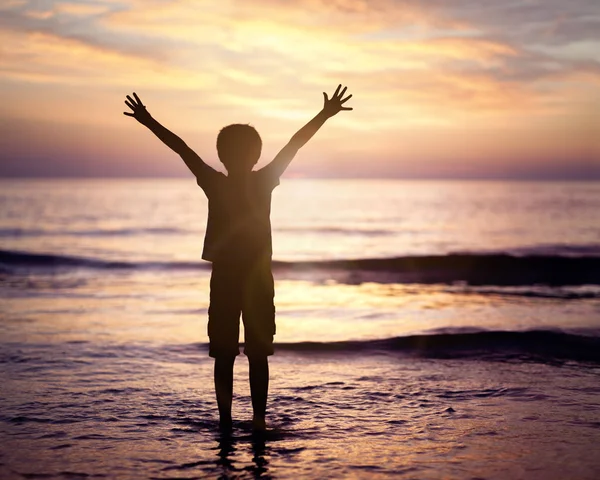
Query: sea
425	330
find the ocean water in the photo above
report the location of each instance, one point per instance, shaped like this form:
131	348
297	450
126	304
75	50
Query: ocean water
424	330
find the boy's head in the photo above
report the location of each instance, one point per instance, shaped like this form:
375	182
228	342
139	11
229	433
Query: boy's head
239	147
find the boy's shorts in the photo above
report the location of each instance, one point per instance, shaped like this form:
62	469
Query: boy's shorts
246	289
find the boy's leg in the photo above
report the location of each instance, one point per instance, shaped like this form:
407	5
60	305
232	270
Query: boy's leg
259	389
224	389
223	331
259	326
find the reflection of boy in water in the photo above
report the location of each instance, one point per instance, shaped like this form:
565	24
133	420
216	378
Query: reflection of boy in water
238	243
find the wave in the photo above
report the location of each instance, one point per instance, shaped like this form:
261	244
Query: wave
548	346
116	232
16	259
570	292
367	232
541	345
472	269
550	249
456	269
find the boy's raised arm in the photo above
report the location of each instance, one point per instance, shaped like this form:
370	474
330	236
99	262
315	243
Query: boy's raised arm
331	107
191	159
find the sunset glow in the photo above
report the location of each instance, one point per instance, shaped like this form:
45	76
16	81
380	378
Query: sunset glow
441	88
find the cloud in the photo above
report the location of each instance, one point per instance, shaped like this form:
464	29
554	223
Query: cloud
512	41
411	64
81	23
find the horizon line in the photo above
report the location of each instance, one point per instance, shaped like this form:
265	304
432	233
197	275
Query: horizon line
307	177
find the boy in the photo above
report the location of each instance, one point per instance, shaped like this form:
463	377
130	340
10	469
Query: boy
238	243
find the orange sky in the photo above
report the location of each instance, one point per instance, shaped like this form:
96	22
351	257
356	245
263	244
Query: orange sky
442	88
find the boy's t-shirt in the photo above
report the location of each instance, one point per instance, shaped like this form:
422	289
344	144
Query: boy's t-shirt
239	211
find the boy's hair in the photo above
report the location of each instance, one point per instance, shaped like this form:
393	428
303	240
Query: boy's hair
238	145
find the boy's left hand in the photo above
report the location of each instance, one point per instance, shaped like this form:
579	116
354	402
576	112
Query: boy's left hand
139	110
334	105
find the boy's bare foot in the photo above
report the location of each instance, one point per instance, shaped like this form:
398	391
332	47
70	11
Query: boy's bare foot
259	424
225	425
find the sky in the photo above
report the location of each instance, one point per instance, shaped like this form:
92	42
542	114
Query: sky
441	88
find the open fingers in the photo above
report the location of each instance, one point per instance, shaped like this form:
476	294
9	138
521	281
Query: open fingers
128	114
337	90
344	100
342	92
130	105
132	101
138	99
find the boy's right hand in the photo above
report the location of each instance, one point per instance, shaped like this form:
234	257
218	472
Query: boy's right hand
139	110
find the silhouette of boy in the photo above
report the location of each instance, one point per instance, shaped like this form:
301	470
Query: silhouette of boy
238	243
